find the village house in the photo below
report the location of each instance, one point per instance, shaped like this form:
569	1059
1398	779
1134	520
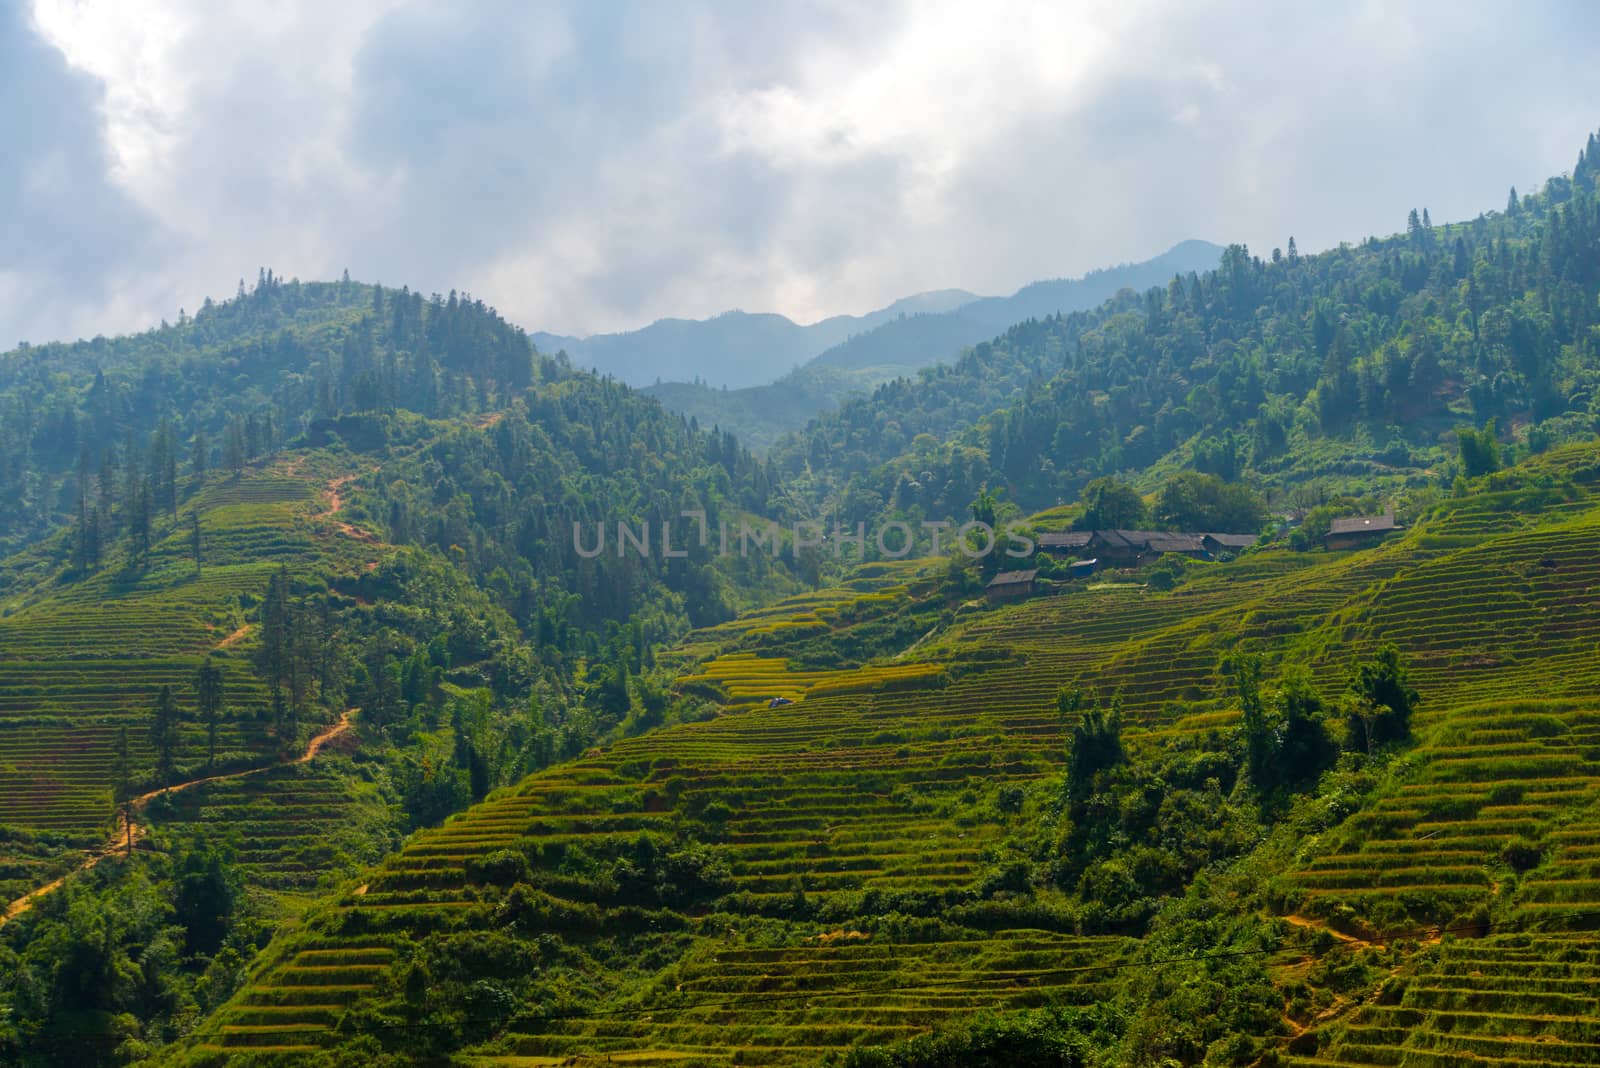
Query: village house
1135	548
1064	543
1227	544
1355	532
1009	584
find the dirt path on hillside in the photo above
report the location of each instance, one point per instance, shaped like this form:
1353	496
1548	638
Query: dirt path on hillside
120	841
335	494
236	637
335	497
1297	920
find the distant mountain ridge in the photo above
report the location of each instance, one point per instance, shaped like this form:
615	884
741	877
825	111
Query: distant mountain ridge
734	349
907	341
905	344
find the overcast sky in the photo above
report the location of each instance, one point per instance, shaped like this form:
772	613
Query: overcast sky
593	166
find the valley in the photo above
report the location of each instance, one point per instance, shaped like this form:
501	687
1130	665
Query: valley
327	739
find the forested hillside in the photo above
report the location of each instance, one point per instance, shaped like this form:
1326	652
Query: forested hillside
306	500
901	346
1345	370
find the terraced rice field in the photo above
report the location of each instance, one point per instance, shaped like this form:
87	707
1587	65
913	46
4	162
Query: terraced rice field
1486	778
843	800
751	1005
86	658
751	679
293	826
1515	1001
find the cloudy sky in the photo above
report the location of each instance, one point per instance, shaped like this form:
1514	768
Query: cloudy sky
592	166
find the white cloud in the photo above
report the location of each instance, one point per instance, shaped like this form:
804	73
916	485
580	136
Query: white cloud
593	166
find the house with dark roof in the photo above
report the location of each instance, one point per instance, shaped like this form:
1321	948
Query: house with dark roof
1158	543
1227	544
1068	542
1354	532
1009	584
1134	548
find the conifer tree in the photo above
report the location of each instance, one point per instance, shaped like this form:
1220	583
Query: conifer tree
164	734
199	457
209	695
139	526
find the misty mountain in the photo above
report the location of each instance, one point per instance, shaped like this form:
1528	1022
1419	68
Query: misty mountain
910	341
736	348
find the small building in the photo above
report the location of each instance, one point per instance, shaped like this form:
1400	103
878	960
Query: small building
779	702
1117	548
1227	544
1083	568
1065	543
1009	584
1159	543
1354	532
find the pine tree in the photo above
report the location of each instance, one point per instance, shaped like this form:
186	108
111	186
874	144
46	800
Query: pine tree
209	695
139	527
164	734
233	447
199	457
195	545
167	472
273	651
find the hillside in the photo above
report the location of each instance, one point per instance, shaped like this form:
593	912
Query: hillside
384	523
1308	375
759	415
325	738
909	843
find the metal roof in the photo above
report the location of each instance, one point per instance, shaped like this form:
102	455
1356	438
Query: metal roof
1362	524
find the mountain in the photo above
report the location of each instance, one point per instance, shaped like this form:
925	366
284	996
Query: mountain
1307	375
735	349
340	724
227	535
758	415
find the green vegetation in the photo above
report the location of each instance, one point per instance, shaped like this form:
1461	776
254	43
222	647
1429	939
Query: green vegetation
349	753
1092	879
1310	376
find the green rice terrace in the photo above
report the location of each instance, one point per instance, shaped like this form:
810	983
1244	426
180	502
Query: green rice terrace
859	863
82	662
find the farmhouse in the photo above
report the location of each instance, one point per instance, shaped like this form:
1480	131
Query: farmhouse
1134	548
1069	542
1220	544
1157	543
1353	532
1008	584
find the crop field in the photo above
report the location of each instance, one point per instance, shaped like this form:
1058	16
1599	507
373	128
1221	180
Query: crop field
89	657
292	826
750	679
881	784
870	585
1431	851
1515	1001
